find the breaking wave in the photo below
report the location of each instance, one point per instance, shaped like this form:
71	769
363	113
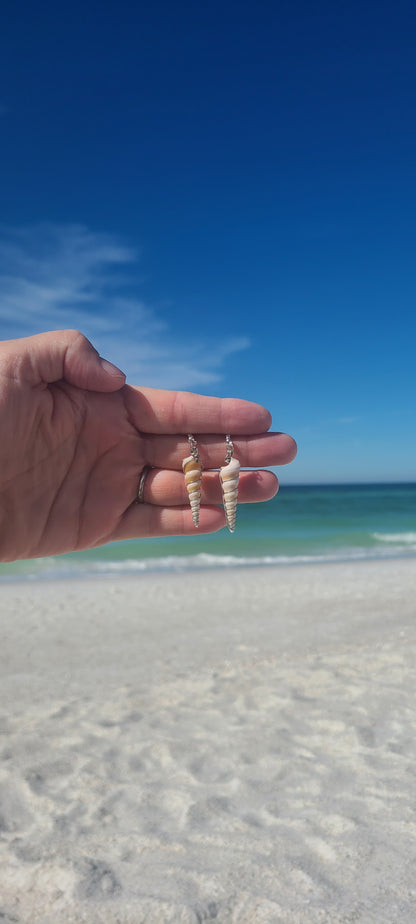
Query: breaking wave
405	539
58	568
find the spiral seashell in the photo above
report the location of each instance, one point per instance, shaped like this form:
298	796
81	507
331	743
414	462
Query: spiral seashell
193	479
229	475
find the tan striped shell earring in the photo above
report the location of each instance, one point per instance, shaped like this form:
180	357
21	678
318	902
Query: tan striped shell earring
229	476
192	469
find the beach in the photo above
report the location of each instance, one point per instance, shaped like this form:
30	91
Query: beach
236	745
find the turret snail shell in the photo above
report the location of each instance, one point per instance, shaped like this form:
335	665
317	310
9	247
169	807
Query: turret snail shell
229	475
193	479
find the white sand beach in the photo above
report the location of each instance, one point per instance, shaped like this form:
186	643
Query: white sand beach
228	746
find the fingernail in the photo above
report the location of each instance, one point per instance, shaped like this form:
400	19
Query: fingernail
110	368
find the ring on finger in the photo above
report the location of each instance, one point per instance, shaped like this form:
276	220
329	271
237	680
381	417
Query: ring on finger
142	481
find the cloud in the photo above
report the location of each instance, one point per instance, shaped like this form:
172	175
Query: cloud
54	277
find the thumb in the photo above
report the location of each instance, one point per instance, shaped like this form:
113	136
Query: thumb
68	355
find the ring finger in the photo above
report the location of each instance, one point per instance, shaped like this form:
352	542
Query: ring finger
251	451
165	488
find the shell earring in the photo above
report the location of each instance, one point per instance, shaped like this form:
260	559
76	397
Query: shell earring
229	475
192	469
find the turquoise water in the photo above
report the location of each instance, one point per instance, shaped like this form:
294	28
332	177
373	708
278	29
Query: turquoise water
302	524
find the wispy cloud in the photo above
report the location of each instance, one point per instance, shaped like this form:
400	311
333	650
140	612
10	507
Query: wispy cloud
54	277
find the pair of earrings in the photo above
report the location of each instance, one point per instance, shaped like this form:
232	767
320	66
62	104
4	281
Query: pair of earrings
229	475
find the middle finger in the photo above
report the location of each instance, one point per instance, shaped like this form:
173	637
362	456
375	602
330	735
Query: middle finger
167	489
251	451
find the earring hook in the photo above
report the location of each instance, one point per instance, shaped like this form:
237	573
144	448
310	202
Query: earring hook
193	447
230	449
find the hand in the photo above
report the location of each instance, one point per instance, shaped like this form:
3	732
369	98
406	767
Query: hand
75	438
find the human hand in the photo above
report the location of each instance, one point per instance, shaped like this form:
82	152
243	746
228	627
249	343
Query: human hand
75	439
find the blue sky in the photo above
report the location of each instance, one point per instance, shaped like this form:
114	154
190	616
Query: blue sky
223	198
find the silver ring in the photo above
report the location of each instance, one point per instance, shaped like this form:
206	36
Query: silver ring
140	490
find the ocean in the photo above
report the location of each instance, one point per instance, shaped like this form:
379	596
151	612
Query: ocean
321	523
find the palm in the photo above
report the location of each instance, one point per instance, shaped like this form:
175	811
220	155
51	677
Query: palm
96	454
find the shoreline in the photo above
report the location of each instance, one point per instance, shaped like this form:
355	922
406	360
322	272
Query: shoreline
176	747
199	563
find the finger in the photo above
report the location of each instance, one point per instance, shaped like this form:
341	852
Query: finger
146	520
168	489
251	451
63	354
155	411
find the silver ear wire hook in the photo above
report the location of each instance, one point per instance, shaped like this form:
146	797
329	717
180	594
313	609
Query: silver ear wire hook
230	449
193	447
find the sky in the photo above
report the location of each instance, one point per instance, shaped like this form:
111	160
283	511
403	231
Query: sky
222	197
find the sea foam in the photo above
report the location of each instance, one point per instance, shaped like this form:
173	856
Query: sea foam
402	538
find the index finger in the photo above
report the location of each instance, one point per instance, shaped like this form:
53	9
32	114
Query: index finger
153	410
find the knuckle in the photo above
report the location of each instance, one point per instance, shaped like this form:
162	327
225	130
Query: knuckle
75	338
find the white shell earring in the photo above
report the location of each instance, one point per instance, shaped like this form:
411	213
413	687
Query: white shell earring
192	469
229	475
